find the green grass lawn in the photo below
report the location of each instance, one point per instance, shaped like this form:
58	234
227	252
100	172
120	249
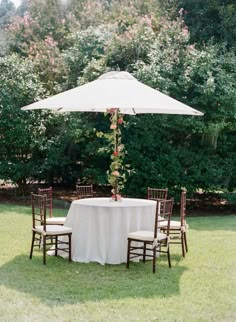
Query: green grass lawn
201	287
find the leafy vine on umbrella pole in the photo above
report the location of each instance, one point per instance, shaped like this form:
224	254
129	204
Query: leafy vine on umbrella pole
116	174
117	171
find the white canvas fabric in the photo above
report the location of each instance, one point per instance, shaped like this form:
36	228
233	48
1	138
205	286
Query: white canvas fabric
100	227
114	90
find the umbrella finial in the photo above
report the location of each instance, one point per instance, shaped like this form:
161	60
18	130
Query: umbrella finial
117	75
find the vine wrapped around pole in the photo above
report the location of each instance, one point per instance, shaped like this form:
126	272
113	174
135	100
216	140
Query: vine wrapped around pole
116	176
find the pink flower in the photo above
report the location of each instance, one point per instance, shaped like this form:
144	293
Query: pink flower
116	196
49	41
120	148
185	31
26	20
191	47
111	110
115	173
113	126
120	120
115	153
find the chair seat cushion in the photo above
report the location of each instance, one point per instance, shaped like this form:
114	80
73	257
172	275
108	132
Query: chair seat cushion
55	220
54	229
173	224
146	235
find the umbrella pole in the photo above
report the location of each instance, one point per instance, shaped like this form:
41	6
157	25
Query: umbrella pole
116	149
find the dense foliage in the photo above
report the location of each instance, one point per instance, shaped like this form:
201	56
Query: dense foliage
50	47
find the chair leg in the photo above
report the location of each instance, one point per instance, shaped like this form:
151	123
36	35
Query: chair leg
44	250
154	260
69	248
128	253
56	242
40	241
168	256
144	252
185	242
182	244
32	245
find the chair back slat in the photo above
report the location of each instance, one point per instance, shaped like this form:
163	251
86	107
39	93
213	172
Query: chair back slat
48	193
157	194
183	207
164	210
39	203
85	191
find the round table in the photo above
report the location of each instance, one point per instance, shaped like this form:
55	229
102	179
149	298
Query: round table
100	227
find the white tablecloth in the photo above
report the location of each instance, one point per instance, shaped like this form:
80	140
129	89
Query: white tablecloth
100	227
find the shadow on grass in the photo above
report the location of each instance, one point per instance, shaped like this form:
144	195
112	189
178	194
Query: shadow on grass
62	282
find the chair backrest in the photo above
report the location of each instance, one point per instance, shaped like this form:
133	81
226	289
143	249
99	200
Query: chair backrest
48	193
164	210
183	207
85	191
39	205
157	194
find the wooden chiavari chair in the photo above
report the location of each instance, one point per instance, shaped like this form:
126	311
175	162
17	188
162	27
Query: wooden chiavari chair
157	194
51	220
44	234
179	228
151	241
85	191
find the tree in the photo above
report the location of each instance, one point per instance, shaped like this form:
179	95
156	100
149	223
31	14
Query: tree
68	45
88	46
208	20
20	132
49	64
42	19
7	10
184	150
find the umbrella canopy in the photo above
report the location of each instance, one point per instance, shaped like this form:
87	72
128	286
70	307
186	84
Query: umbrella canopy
116	93
114	90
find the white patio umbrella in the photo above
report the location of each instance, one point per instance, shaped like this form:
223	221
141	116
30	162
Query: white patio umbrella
118	91
114	90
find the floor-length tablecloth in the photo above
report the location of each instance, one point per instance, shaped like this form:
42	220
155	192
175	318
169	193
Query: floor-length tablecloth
100	227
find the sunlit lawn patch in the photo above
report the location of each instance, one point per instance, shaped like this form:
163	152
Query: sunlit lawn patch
200	287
